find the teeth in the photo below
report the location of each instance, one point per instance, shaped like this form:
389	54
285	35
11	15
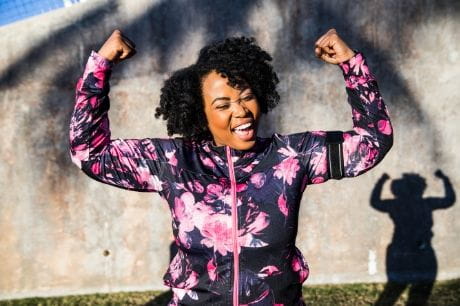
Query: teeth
243	126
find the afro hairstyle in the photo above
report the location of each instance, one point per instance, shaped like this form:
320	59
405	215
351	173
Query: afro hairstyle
240	60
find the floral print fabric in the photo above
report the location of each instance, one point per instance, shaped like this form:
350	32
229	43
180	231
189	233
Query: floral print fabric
234	213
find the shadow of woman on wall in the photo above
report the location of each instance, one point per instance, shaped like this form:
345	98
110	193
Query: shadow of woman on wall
410	259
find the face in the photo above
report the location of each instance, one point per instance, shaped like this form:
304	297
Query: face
232	114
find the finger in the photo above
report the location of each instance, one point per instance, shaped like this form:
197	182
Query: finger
320	40
127	53
329	50
318	52
129	42
328	59
126	46
328	41
331	38
326	44
322	37
132	53
325	35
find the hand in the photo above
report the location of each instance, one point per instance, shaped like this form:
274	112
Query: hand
384	177
439	173
332	49
117	47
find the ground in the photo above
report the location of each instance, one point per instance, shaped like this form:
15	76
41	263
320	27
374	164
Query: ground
444	293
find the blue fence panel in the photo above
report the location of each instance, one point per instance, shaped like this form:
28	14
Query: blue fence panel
14	10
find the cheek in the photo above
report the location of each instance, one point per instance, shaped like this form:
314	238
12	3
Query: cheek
255	110
218	120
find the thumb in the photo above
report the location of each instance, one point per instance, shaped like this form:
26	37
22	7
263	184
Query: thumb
328	58
125	52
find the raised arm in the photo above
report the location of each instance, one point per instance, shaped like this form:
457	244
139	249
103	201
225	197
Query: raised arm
372	134
449	198
132	164
371	137
376	201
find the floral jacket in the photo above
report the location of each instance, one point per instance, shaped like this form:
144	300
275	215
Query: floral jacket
234	213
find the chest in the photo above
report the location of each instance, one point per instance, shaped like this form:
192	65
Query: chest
256	201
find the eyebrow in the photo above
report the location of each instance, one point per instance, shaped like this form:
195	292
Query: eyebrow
220	98
228	99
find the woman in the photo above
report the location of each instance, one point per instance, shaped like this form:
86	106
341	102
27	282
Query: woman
234	197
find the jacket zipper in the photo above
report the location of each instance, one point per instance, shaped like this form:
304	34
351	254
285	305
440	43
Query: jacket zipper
234	228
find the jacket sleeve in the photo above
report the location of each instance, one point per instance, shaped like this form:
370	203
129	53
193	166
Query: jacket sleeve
371	137
134	164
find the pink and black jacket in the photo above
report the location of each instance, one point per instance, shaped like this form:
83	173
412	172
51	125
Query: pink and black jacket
234	213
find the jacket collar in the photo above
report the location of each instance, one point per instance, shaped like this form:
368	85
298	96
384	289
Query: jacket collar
241	158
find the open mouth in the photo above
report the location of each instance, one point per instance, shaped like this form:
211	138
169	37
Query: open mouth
245	131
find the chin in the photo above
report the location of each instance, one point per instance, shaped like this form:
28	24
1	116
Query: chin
246	145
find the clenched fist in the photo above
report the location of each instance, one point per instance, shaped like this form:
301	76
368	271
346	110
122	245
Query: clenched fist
332	49
117	47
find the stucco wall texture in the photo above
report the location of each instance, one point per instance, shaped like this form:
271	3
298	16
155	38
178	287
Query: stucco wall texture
63	233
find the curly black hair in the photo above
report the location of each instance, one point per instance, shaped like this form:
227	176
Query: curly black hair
240	60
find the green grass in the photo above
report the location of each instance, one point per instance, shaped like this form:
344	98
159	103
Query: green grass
443	293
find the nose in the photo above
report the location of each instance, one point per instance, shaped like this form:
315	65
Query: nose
239	109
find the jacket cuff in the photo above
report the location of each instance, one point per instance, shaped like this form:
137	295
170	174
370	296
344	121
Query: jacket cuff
98	65
101	61
355	70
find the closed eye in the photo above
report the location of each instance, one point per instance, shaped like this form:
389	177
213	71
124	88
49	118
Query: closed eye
248	97
223	106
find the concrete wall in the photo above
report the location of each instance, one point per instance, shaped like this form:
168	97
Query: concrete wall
62	233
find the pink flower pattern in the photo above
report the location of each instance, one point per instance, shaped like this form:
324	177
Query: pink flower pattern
193	178
217	234
282	205
299	266
287	169
258	179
